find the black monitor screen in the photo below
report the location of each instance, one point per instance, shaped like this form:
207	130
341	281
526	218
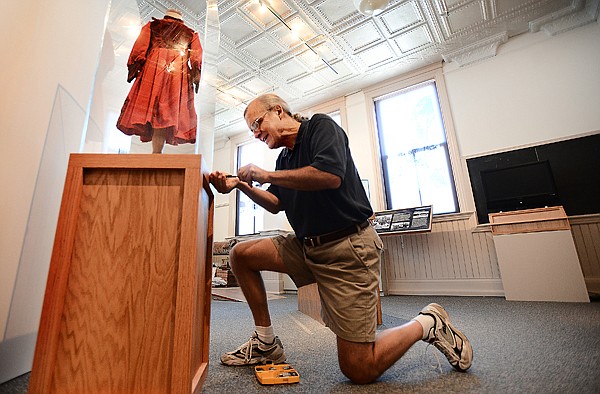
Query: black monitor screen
524	186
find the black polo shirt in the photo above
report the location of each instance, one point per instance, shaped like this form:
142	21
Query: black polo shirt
322	144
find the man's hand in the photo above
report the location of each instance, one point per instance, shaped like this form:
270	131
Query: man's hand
251	172
222	183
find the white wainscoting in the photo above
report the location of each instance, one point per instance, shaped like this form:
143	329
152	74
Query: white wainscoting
458	258
586	234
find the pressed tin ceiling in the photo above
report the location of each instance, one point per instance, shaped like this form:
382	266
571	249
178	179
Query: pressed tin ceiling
321	49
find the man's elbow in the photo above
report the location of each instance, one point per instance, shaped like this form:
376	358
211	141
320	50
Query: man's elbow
274	209
335	182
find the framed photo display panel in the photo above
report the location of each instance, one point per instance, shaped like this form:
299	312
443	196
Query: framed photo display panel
406	220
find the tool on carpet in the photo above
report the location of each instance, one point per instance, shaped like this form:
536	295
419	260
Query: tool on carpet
276	374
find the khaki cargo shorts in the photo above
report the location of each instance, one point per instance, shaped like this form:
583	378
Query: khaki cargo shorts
347	274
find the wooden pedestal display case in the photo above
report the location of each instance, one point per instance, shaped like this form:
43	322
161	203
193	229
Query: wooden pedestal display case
127	302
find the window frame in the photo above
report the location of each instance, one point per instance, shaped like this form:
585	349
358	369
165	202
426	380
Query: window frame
236	164
458	165
271	154
238	194
336	105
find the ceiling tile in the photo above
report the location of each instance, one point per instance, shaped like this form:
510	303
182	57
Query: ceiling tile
260	12
344	71
240	94
401	17
300	28
362	36
327	51
263	48
310	59
230	115
287	37
227	99
413	39
307	84
288	93
504	6
257	86
511	6
290	69
189	7
376	55
237	29
335	11
230	69
464	17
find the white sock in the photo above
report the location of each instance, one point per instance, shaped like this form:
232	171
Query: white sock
265	334
427	322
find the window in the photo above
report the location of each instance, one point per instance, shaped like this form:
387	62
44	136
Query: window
414	150
337	117
249	215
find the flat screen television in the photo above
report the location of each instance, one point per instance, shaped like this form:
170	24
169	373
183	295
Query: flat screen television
523	186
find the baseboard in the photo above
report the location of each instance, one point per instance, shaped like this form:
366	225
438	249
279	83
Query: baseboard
16	356
449	287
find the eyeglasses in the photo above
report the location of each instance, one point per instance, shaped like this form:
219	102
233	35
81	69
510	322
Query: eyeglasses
256	124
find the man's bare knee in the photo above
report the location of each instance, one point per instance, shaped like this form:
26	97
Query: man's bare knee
236	255
254	256
358	371
357	361
243	252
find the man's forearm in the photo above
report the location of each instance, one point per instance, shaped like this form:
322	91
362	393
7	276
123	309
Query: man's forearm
263	198
305	178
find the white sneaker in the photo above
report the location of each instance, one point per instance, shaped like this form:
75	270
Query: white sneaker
453	343
254	352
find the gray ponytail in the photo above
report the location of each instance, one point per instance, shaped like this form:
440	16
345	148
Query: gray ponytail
270	100
299	118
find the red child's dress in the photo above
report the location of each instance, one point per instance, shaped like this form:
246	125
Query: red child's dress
165	61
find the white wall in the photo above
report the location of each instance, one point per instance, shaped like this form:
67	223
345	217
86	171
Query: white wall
362	145
536	89
51	52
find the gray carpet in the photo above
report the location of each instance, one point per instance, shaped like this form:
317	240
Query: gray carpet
519	347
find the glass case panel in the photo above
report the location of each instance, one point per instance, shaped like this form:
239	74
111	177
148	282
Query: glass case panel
160	52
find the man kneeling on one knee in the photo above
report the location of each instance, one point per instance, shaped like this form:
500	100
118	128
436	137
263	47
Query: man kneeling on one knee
317	185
